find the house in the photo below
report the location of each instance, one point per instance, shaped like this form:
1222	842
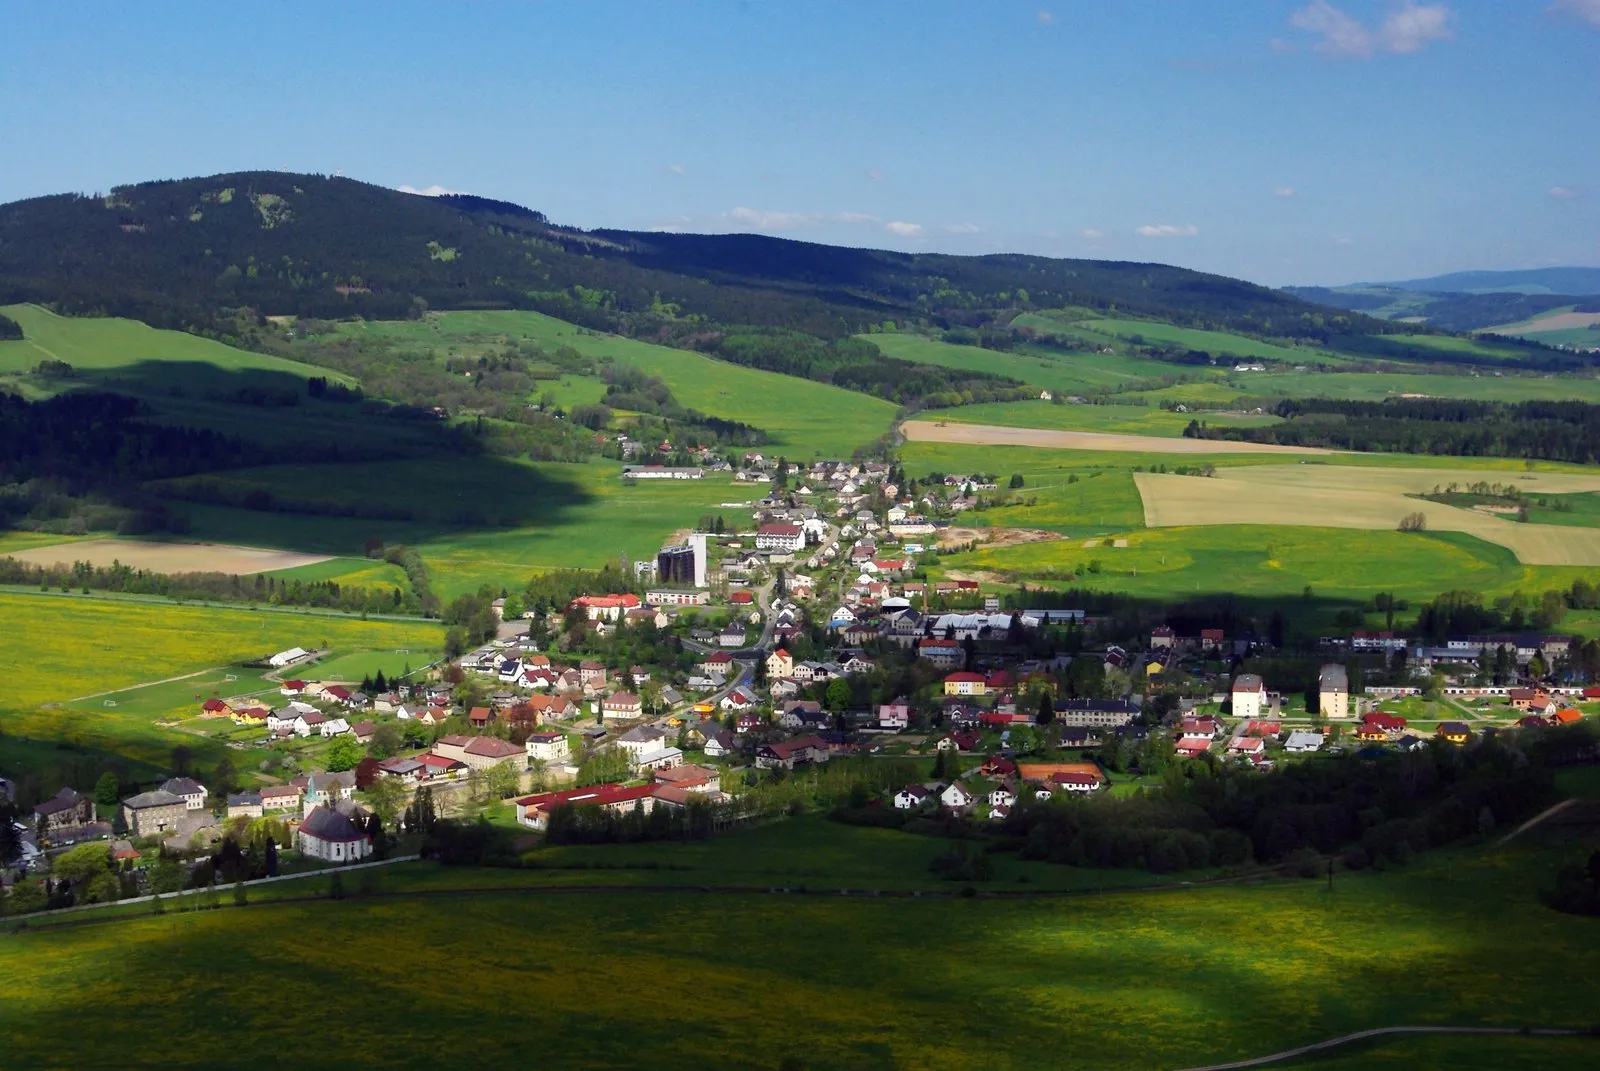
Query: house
946	654
1529	699
662	758
329	788
720	745
328	835
1333	692
717	664
215	708
1162	637
641	739
192	792
306	724
911	797
895	715
1301	741
1251	747
1073	781
1046	773
291	689
1249	695
434	765
67	809
780	664
406	771
749	722
485	752
783	689
705	780
592	674
731	636
621	706
1211	639
1566	716
480	717
786	538
548	747
955	796
250	715
1457	732
331	727
965	684
363	731
281	798
799	714
534	811
244	805
604	607
284	658
1380	726
1096	713
791	753
1002	797
150	814
741	698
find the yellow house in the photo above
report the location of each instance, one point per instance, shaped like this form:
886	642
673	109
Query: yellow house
965	684
1455	731
780	665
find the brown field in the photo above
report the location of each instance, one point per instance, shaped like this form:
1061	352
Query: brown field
995	537
1330	496
169	557
1561	321
927	431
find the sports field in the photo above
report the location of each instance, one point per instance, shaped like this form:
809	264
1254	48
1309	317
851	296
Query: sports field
1333	496
168	557
1164	979
995	435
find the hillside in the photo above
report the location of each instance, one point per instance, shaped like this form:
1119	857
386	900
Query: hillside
192	251
1531	281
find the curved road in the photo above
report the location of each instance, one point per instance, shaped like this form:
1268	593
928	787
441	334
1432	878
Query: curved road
1382	1031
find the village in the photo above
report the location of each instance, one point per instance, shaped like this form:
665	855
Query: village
815	637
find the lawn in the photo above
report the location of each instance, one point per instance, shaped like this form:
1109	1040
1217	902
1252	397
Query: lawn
806	419
61	648
1118	980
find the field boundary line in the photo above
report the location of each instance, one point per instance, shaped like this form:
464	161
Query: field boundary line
1383	1031
136	687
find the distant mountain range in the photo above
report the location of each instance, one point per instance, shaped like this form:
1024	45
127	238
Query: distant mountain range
215	253
1466	300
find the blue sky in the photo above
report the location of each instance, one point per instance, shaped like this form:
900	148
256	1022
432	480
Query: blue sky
1307	141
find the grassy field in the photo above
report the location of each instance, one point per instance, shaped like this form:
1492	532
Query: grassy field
1219	344
1263	561
110	344
1115	419
1337	496
1118	980
64	648
1075	373
805	418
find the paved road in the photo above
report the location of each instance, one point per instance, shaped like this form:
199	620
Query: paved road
1382	1031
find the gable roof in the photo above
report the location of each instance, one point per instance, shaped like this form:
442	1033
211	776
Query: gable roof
492	747
329	825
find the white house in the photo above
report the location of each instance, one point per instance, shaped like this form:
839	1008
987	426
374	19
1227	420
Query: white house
330	836
334	727
548	747
1302	741
955	796
911	797
780	537
1002	797
1249	696
193	792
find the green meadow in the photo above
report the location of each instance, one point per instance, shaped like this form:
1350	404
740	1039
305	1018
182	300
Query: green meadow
1219	344
108	344
1115	980
1118	419
89	650
805	418
1267	561
1070	373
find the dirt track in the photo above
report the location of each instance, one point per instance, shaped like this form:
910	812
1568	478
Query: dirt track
169	557
927	431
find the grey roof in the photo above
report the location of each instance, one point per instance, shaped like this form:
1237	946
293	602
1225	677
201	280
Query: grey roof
64	800
244	799
1333	677
1247	682
329	825
158	798
183	786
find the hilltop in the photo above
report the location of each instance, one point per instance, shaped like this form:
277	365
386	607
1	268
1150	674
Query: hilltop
191	252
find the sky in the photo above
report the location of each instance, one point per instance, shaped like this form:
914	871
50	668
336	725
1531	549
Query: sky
1295	142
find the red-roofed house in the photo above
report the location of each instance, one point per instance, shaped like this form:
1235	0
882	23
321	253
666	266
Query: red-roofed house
608	607
780	537
965	684
534	811
790	753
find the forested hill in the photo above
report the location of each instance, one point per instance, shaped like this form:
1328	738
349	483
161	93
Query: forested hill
219	252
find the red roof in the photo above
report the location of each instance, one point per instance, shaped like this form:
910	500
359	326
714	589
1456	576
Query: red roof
741	597
790	530
965	678
213	704
626	601
1070	778
295	686
718	658
1379	720
1567	716
592	796
438	762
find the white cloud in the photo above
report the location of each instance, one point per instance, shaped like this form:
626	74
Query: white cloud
903	229
1409	28
1565	193
676	169
428	191
1167	230
763	220
1093	233
1045	16
1587	10
1283	191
